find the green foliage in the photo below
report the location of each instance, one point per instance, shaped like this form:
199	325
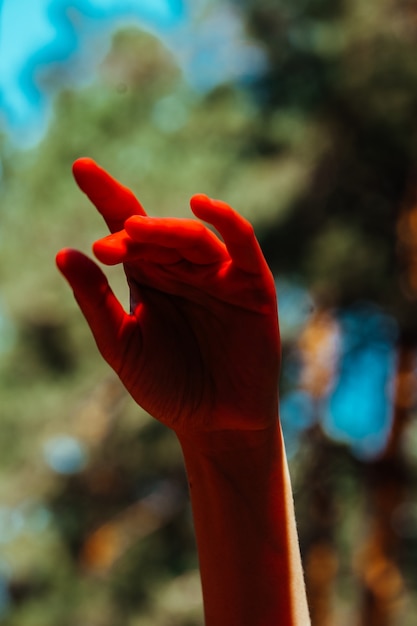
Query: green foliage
318	154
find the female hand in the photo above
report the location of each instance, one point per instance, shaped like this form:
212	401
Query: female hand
199	349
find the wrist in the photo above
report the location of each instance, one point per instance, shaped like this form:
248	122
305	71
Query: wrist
214	442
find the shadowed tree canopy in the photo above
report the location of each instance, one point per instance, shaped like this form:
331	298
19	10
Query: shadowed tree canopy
353	72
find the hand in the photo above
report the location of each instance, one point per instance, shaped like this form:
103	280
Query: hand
200	348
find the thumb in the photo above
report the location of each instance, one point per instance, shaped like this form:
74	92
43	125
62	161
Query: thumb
106	317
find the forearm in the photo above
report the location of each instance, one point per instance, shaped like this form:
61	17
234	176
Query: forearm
245	528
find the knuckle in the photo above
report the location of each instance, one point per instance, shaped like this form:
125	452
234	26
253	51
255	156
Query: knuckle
246	229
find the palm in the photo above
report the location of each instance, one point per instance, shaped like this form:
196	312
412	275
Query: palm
198	361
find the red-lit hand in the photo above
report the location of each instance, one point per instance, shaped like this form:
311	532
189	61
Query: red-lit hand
200	352
200	348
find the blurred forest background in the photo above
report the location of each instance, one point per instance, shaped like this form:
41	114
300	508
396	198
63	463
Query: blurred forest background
318	149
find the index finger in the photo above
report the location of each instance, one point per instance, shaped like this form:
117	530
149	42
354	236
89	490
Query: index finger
113	200
237	233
